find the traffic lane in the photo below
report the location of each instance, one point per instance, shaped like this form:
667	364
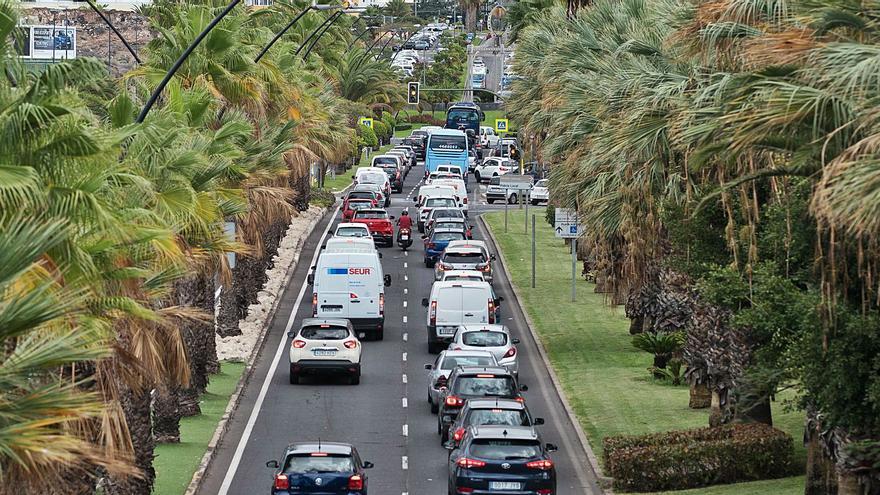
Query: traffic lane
428	472
364	415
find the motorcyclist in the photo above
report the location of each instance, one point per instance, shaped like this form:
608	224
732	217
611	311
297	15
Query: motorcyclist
405	221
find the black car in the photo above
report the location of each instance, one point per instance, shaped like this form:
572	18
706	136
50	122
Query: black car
474	383
490	412
417	143
394	176
502	459
320	467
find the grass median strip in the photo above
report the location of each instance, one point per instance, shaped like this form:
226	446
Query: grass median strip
175	463
604	377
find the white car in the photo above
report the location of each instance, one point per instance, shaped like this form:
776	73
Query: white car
494	166
540	193
471	275
488	138
352	230
325	346
439	371
493	338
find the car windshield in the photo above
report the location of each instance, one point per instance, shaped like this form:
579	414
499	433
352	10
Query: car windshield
484	339
359	205
473	258
464	277
372	178
371	214
439	202
299	463
486	385
498	417
462	116
541	183
324	332
351	232
361	195
505	450
381	160
448	236
448	143
451	362
447	214
449	225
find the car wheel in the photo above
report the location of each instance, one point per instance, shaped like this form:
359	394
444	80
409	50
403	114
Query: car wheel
380	334
490	201
534	202
294	379
444	435
512	199
355	379
434	408
434	348
439	427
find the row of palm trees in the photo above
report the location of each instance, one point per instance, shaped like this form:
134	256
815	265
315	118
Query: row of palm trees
115	236
732	136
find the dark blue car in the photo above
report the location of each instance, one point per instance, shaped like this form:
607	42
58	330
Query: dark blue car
325	468
437	242
501	459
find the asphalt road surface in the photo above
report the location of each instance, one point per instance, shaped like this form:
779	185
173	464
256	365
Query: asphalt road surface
387	416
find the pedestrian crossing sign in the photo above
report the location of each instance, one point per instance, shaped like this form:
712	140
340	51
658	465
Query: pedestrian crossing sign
500	125
366	122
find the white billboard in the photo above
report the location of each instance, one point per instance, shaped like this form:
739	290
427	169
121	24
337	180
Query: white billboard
47	42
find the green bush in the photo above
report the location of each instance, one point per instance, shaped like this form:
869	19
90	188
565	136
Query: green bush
679	460
382	131
550	214
367	137
425	118
403	127
322	197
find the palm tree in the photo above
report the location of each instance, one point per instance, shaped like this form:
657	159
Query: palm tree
397	9
470	8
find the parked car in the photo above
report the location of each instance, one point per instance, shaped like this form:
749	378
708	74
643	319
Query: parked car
540	193
494	166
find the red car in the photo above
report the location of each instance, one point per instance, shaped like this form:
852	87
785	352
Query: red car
379	223
352	205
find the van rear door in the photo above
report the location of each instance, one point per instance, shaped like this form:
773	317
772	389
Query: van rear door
348	286
460	305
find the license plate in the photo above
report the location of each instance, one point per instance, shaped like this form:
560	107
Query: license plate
324	352
404	237
331	309
446	330
504	485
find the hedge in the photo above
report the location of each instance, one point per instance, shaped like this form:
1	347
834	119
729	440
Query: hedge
425	118
684	459
368	137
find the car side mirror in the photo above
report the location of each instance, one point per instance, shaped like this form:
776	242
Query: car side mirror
380	255
425	302
272	464
310	278
551	447
450	445
497	302
416	203
352	177
368	465
291	334
493	257
429	366
515	341
538	421
523	388
391	218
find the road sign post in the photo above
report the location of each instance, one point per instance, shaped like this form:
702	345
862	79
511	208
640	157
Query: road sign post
533	250
501	125
567	227
505	215
366	122
574	255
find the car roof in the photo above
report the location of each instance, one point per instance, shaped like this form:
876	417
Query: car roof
488	328
468	243
329	447
445	229
495	402
462	273
371	210
476	370
336	322
460	283
464	249
460	220
504	432
472	352
352	224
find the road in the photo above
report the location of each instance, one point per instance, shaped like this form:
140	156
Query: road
493	57
387	415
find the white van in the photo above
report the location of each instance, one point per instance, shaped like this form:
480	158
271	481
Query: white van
348	282
460	191
455	303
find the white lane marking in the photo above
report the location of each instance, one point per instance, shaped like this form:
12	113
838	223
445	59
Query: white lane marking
403	377
403	402
404	319
255	412
406	253
404	304
404	357
405	430
404	463
405	278
405	264
406	291
405	336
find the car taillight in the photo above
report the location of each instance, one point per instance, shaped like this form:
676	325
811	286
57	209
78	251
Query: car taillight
470	463
281	482
433	313
545	491
356	482
350	344
465	200
431	245
314	304
459	433
299	344
491	311
510	352
454	401
484	268
381	304
543	465
444	266
520	399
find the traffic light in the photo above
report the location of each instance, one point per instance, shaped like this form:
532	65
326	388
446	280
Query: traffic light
412	94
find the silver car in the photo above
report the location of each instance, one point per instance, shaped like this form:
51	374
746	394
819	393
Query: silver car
439	370
492	338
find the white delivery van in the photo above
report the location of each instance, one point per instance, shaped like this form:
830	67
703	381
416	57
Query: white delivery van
460	191
348	282
455	303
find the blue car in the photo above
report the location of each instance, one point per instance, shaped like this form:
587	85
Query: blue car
325	468
437	242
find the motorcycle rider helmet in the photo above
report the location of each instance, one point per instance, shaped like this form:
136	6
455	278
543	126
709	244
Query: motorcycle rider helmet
405	212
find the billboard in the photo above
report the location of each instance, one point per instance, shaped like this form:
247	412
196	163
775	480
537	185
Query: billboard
46	42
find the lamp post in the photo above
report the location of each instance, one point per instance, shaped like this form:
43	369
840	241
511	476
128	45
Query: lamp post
367	52
115	31
290	24
328	20
318	37
382	50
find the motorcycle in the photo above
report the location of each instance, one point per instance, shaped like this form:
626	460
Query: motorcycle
404	238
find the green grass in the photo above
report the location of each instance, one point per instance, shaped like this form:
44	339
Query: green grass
176	463
604	377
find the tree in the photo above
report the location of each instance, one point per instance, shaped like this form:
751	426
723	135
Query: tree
397	9
470	8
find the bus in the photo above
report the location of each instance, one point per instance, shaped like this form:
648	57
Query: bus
478	77
446	147
466	116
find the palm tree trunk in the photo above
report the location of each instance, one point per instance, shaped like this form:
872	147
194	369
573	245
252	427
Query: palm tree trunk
700	397
136	405
821	476
166	415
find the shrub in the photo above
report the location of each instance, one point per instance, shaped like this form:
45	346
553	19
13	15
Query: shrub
402	126
661	344
322	197
368	137
383	132
684	459
425	118
550	214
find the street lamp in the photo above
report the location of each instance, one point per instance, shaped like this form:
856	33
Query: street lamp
290	24
318	37
327	22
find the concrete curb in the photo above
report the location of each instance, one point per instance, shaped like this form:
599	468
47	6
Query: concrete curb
604	481
248	372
